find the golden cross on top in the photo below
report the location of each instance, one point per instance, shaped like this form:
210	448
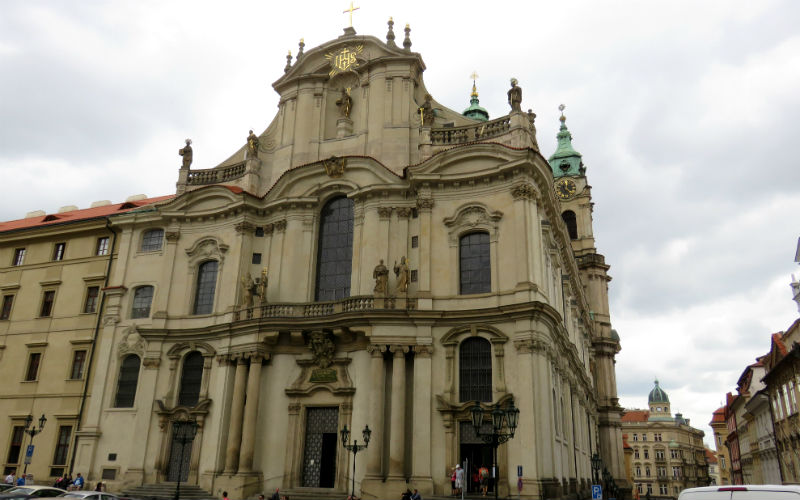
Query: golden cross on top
474	75
350	10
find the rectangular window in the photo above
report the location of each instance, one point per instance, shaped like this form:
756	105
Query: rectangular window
259	232
414	241
635	453
47	303
8	301
414	275
639	488
33	366
792	398
646	453
256	258
722	461
635	437
663	489
91	299
58	251
78	362
676	472
650	489
644	436
657	436
19	257
62	445
16	444
647	471
102	246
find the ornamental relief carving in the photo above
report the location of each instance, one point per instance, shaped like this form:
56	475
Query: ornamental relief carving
205	248
131	343
471	217
525	191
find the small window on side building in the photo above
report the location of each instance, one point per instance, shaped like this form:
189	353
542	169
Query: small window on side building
152	240
78	363
102	246
58	251
90	306
32	372
8	302
256	258
19	257
47	303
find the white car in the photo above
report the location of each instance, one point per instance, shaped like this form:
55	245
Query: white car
34	491
742	492
88	495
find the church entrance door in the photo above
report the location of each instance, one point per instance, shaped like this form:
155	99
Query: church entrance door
319	456
476	454
180	456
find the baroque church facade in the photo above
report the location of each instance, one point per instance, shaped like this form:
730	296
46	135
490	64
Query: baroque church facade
372	258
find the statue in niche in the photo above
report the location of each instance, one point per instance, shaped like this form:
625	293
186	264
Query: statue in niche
252	145
345	103
515	96
248	287
186	152
402	273
322	347
381	275
262	286
426	110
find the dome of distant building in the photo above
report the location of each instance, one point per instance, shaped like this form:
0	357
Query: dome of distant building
657	395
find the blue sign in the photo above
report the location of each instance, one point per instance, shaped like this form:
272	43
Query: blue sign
29	454
597	492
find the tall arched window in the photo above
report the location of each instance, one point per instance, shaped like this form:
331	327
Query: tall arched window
142	298
475	370
572	224
335	254
206	284
191	378
474	263
127	382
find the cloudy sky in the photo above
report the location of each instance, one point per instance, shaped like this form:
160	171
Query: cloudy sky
685	113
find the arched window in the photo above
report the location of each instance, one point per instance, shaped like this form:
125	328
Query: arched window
127	382
206	284
475	370
142	298
335	254
190	379
152	240
474	263
572	224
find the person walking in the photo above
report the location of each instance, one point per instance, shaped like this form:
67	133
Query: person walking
459	479
11	478
483	475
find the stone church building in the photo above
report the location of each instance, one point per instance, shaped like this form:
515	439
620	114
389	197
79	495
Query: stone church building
372	258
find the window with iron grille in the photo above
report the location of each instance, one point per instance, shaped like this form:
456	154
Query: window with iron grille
206	285
127	382
19	257
47	303
102	246
58	251
191	379
474	264
62	445
78	362
90	305
8	301
142	298
475	370
335	254
16	444
33	366
152	240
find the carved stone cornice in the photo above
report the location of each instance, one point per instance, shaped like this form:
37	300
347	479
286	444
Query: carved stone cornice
384	212
280	225
294	408
243	227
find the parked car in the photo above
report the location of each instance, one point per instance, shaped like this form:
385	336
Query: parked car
32	490
88	495
5	486
742	492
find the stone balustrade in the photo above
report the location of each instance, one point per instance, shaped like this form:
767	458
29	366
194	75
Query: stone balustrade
316	309
216	175
471	133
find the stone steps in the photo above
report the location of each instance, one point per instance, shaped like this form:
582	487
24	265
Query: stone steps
166	491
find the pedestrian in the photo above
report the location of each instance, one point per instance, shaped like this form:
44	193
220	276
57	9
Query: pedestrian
453	481
11	478
224	495
276	495
99	486
78	483
416	495
459	479
260	497
21	480
483	475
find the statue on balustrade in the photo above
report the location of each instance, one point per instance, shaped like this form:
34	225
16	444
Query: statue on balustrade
427	112
381	275
248	287
186	152
345	103
262	286
402	273
252	145
532	120
515	96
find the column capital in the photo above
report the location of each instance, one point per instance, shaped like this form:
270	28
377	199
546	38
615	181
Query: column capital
245	226
425	204
423	350
376	350
398	350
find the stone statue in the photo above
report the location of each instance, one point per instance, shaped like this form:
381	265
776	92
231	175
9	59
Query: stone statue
248	287
515	96
381	275
401	271
322	347
186	152
427	112
252	145
532	120
345	102
262	286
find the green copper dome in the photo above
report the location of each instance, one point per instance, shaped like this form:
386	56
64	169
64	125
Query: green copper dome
657	395
565	161
475	111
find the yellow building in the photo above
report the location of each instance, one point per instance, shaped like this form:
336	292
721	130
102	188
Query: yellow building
720	428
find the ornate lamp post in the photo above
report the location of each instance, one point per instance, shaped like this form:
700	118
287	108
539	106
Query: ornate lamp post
183	432
504	425
355	448
32	431
597	462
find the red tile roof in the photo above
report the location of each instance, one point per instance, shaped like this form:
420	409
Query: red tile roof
635	416
711	457
78	215
719	415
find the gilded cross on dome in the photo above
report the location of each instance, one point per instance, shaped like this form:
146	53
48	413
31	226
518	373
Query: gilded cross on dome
350	10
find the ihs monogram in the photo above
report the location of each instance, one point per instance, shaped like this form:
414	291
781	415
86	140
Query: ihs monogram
343	60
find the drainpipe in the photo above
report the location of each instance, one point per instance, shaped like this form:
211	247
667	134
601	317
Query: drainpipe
94	344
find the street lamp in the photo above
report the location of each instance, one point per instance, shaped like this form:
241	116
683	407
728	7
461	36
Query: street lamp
184	432
597	462
504	425
355	448
32	431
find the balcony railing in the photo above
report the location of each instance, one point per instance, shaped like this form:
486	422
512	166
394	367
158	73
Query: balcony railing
357	303
215	175
470	133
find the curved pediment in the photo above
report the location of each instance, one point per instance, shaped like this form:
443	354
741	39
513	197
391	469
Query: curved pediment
207	199
469	160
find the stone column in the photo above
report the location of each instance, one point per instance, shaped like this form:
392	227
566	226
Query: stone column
524	399
376	409
235	424
250	414
397	430
421	455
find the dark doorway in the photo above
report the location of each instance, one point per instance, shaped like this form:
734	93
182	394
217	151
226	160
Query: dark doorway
319	457
476	454
180	456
